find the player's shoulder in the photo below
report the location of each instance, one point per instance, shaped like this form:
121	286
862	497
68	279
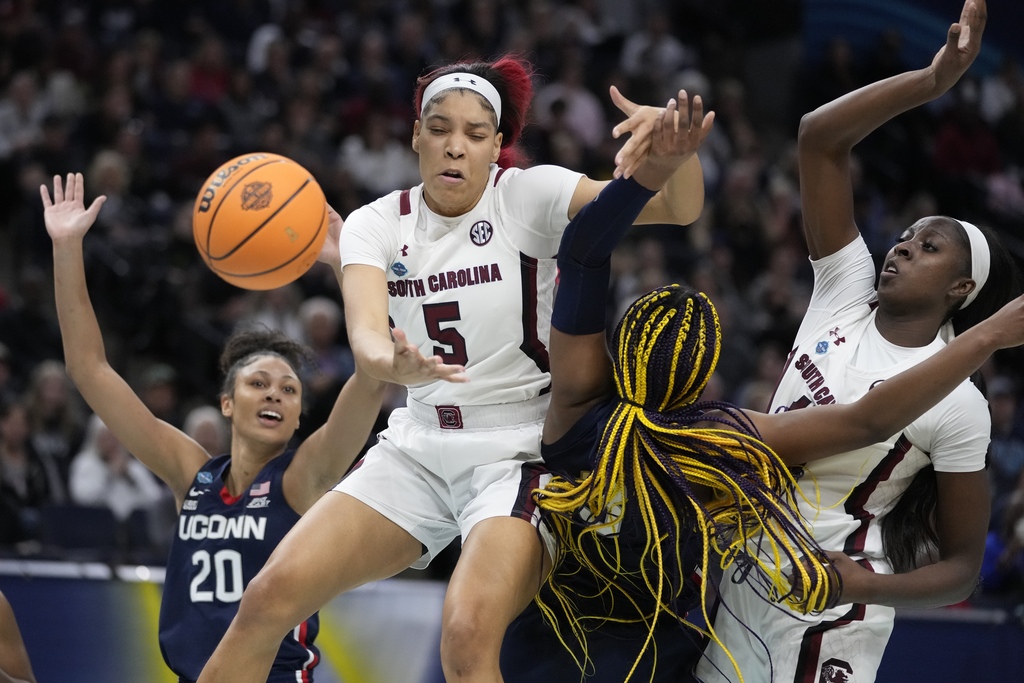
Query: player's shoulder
964	406
387	208
540	175
969	395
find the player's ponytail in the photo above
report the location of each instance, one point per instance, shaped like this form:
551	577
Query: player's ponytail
909	538
512	76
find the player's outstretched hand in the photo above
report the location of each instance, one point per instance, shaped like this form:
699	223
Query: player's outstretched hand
834	578
644	122
855	581
1006	326
330	253
963	43
677	134
412	367
66	216
639	124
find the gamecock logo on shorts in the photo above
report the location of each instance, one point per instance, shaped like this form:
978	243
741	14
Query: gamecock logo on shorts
836	671
449	417
256	196
480	233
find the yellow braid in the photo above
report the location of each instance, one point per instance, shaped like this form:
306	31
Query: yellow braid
650	465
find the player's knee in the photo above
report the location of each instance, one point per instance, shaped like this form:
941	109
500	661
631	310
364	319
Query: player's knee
465	634
264	601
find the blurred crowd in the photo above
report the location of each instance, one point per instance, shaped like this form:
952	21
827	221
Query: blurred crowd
147	98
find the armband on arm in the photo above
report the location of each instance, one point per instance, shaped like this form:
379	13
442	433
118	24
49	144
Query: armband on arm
584	255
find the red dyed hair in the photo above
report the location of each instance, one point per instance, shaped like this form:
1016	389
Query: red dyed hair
512	76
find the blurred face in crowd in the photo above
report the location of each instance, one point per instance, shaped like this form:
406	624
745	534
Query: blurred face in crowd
14	426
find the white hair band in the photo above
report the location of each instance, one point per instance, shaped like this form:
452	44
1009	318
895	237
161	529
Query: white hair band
981	260
463	80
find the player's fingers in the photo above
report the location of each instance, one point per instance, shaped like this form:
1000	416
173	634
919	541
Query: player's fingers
697	116
626	106
671	116
709	120
452	373
95	207
402	345
58	189
45	194
685	107
953	37
971	30
633	147
625	164
628	126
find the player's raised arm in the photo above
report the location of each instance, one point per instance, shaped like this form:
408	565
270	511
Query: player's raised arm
828	134
680	199
800	436
165	450
328	453
366	317
580	365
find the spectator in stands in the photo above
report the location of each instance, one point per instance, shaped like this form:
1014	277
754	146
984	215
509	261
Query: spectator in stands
105	474
207	426
24	484
56	421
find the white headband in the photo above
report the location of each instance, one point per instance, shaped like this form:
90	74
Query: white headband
981	260
467	81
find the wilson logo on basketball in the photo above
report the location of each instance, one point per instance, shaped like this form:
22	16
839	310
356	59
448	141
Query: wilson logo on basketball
215	181
256	196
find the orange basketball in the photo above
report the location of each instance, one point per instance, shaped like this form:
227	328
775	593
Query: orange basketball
260	221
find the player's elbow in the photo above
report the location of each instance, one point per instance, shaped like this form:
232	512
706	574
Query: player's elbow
817	137
810	134
961	586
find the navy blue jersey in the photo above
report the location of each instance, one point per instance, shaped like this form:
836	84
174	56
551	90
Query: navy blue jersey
219	545
531	650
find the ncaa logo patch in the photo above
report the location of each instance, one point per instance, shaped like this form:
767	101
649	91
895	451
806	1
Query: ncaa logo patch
821	348
480	233
399	269
256	196
204	478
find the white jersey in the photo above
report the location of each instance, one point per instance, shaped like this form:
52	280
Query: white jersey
475	289
839	355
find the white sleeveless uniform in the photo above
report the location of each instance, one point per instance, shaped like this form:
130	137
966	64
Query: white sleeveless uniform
839	356
477	290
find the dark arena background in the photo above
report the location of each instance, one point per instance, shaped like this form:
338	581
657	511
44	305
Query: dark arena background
148	97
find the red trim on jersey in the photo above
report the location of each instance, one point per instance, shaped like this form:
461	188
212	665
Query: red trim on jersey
226	496
302	637
532	346
498	175
807	668
529	479
778	382
858	500
404	204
